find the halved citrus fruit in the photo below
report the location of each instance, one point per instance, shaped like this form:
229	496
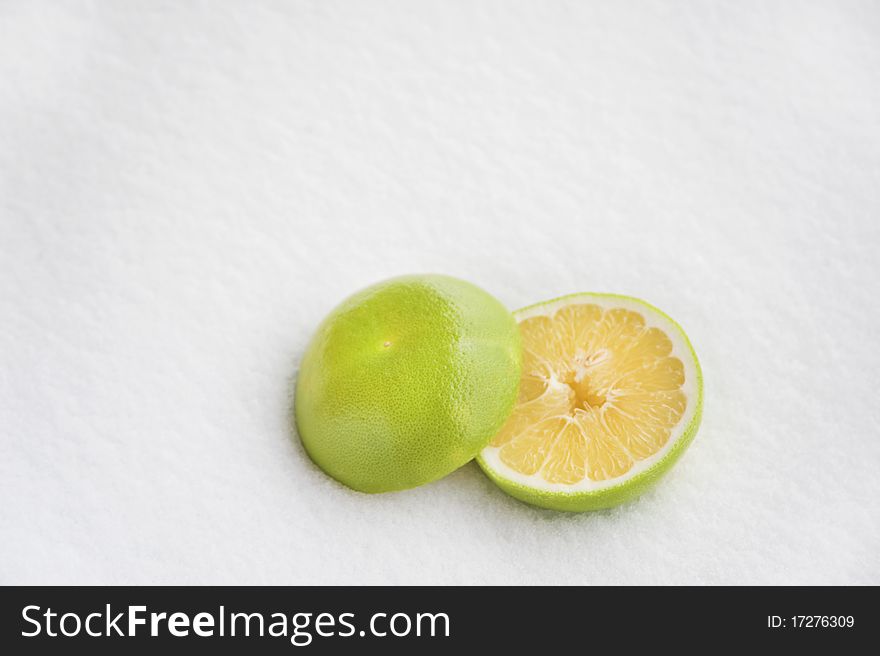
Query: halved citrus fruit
611	394
406	380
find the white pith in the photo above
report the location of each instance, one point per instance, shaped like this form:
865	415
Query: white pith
490	455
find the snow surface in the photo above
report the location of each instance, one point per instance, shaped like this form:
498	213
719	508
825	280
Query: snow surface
187	188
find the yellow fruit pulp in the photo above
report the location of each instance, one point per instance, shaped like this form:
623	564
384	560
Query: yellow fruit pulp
600	391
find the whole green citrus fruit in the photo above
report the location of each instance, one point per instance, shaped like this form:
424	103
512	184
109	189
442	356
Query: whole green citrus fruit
406	381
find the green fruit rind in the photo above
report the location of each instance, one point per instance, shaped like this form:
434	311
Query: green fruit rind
406	381
630	488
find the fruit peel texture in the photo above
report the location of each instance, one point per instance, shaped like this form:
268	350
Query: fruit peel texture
406	381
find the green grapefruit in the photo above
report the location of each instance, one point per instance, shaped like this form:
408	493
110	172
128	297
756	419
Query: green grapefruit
611	396
406	381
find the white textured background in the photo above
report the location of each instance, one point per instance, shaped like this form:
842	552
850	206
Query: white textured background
187	188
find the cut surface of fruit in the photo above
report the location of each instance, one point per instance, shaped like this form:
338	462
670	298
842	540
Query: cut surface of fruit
610	394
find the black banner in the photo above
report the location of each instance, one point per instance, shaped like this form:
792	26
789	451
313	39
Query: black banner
116	620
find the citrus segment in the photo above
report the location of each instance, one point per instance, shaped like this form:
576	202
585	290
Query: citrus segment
610	386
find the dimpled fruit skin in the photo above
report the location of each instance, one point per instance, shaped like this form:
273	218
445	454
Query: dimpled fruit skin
406	381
